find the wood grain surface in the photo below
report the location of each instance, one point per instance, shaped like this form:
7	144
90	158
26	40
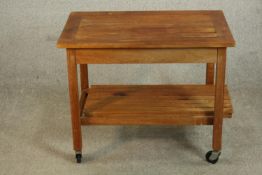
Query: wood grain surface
74	97
152	104
148	29
128	56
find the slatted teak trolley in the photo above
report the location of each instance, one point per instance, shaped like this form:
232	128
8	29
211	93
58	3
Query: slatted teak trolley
148	37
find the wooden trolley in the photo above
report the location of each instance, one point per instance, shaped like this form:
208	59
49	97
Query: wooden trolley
148	37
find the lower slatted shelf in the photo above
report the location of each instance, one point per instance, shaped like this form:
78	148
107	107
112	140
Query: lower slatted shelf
152	104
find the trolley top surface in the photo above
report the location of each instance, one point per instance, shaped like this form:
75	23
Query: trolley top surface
146	29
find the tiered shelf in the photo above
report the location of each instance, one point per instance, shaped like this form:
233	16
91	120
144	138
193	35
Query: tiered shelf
152	104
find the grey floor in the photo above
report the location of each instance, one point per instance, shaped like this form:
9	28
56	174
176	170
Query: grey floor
36	139
35	130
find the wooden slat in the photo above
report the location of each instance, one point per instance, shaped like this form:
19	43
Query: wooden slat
175	91
123	56
114	104
155	102
153	98
128	119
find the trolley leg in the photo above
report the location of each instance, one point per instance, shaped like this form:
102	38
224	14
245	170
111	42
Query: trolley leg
84	86
210	73
84	76
74	103
219	99
212	156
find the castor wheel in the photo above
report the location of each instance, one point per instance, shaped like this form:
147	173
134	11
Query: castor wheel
78	157
212	156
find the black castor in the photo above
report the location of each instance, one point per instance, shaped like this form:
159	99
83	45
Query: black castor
212	156
78	157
